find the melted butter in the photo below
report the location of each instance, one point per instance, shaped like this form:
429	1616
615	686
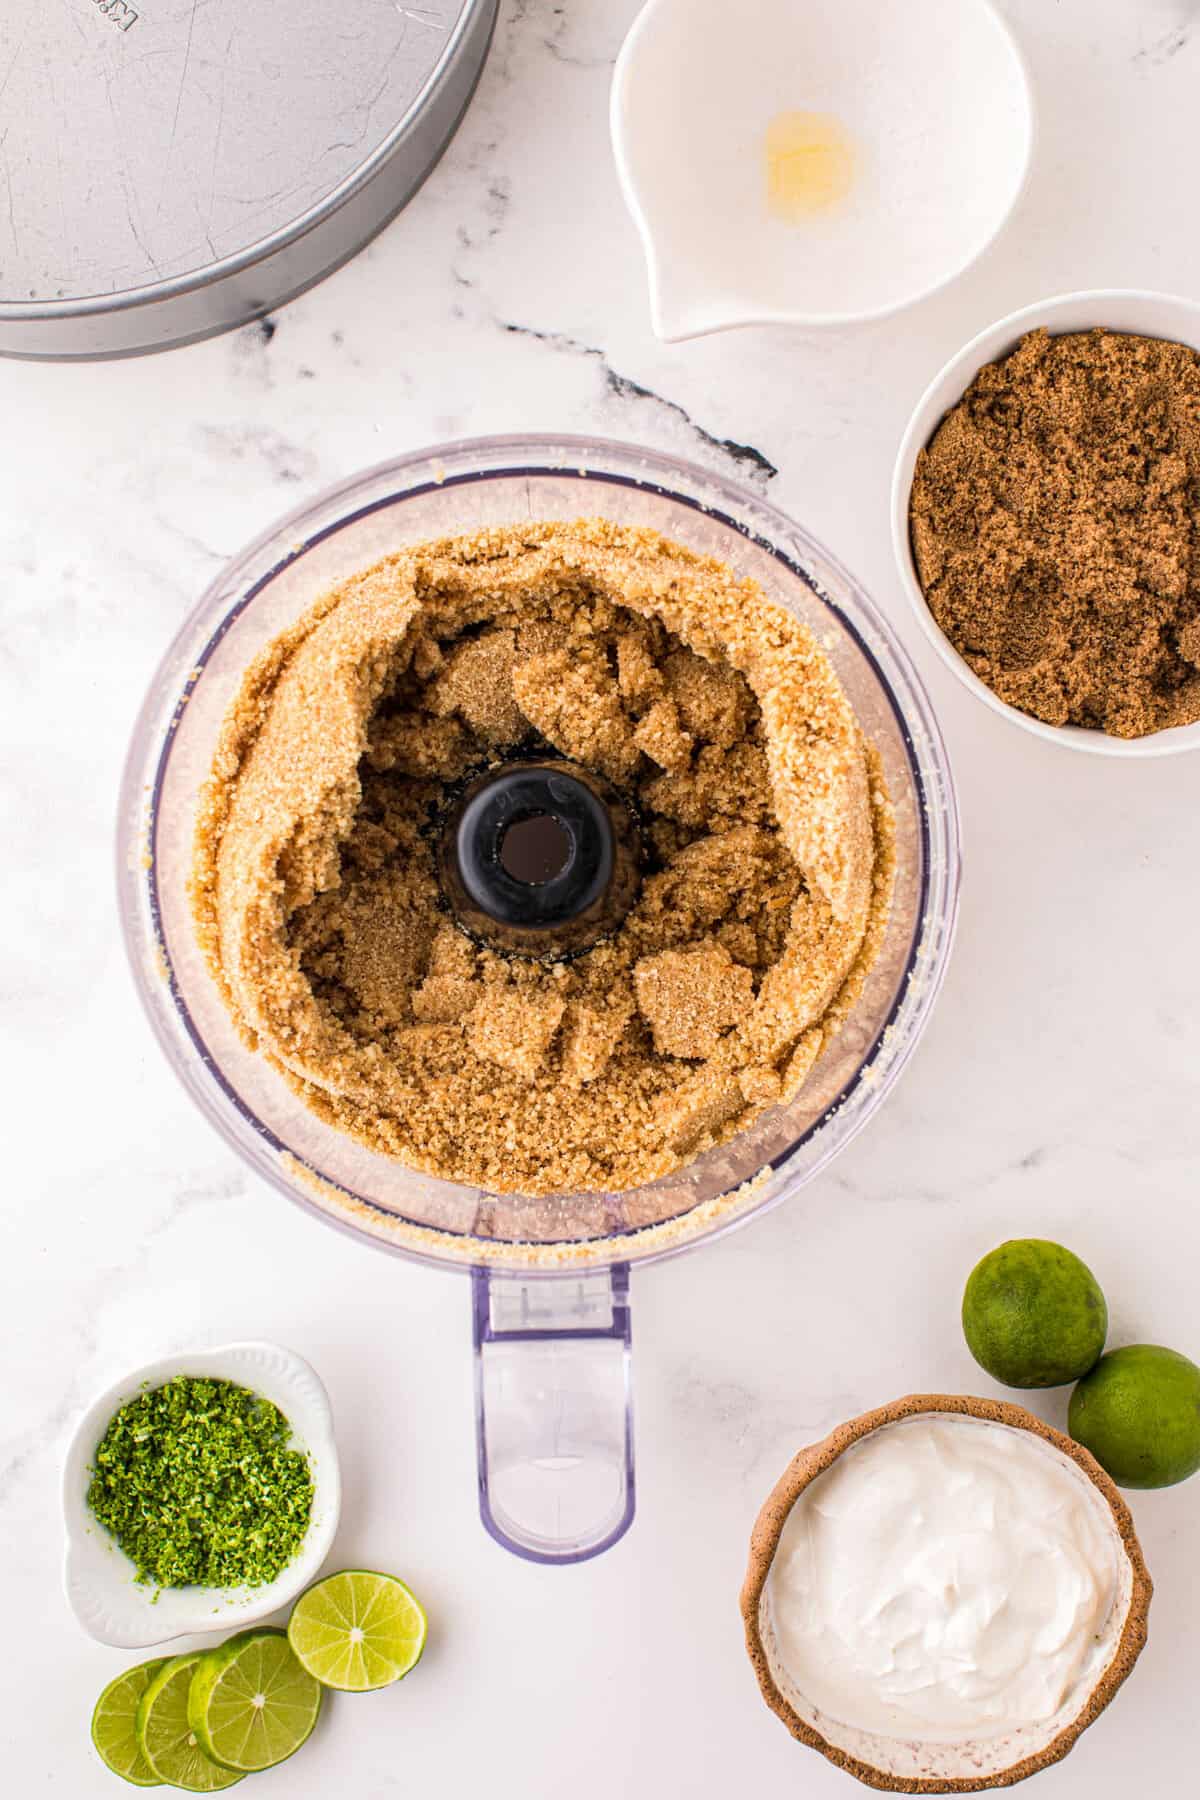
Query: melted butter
811	163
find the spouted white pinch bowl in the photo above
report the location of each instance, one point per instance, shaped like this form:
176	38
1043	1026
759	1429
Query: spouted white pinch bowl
99	1578
934	102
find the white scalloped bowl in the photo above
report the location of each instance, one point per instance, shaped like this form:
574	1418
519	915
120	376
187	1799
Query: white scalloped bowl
99	1577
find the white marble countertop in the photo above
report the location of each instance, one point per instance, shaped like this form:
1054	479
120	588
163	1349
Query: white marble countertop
1055	1092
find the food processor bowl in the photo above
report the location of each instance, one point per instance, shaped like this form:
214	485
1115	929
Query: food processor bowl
550	1275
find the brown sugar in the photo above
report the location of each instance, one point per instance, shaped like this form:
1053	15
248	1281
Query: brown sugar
662	737
690	998
767	831
1056	526
476	683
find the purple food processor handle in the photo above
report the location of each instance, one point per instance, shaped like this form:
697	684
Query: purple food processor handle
554	1412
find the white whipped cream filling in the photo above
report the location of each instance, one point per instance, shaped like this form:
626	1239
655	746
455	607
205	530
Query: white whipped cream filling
945	1578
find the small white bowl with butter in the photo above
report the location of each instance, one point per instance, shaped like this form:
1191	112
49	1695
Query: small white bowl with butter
815	164
944	1592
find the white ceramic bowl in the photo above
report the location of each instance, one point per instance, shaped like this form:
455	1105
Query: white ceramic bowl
1119	309
935	100
99	1577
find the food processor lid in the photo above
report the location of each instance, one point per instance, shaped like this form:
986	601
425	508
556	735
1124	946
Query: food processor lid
146	142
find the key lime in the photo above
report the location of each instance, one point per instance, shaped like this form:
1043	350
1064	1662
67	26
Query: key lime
165	1738
114	1730
1033	1315
358	1630
1138	1412
251	1705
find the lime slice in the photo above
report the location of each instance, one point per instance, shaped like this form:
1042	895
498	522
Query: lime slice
114	1721
164	1736
251	1705
358	1630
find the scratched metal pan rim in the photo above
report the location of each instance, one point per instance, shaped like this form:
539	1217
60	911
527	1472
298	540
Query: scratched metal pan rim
220	164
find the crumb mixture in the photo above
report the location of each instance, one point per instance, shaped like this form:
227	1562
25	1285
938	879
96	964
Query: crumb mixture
1056	527
767	833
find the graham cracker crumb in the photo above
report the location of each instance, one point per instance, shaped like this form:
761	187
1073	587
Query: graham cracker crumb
450	989
573	700
712	701
316	891
591	1036
690	998
638	675
663	738
514	1029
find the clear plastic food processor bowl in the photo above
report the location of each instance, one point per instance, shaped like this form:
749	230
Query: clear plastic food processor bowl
550	1276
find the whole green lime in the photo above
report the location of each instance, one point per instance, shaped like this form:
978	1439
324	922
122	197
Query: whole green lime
1138	1412
1033	1315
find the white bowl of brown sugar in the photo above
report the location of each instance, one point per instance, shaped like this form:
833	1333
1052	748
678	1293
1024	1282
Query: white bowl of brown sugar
1045	523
